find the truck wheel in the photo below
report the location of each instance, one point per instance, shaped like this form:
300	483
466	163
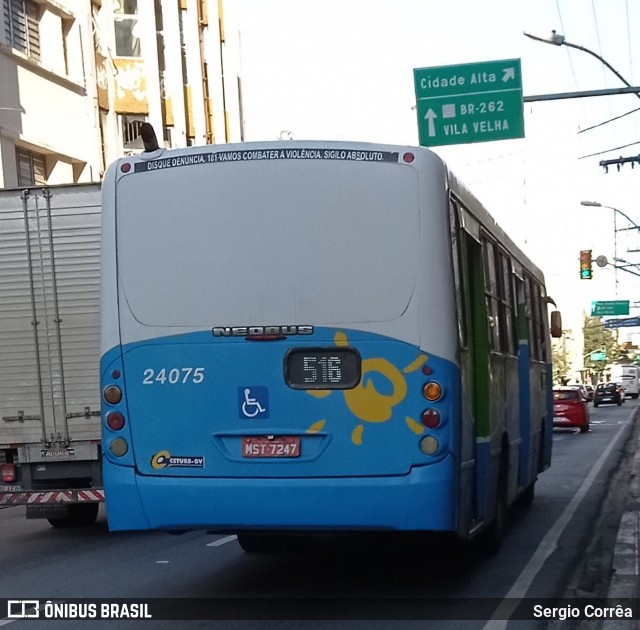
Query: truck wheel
80	515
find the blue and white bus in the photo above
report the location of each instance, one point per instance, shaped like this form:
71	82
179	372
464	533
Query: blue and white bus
315	337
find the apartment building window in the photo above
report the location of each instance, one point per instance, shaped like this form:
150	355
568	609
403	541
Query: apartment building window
126	28
21	26
32	170
131	140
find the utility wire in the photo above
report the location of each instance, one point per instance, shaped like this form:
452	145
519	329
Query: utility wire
595	22
610	120
624	146
629	37
573	71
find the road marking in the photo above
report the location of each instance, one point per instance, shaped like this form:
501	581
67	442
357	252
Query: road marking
222	541
548	544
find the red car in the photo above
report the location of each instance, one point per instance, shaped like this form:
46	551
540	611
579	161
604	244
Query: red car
570	408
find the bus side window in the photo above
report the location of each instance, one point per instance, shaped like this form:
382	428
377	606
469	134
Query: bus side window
537	339
506	304
529	301
459	257
491	293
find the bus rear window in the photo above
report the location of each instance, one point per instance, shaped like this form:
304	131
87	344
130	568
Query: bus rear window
268	242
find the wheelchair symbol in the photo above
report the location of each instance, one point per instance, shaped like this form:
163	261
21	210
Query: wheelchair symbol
252	402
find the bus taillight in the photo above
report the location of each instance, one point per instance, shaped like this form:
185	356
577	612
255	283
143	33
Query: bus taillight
432	391
429	445
119	447
112	394
115	421
430	418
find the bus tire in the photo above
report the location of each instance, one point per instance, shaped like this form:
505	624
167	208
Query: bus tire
529	494
272	543
492	537
255	543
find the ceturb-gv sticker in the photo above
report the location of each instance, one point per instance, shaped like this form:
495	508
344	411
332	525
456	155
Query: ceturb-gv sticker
164	459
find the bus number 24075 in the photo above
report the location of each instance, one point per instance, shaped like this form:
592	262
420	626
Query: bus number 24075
173	376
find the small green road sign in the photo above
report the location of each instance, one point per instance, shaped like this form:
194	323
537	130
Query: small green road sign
614	307
473	102
598	356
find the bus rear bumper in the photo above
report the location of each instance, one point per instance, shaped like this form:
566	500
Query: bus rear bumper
422	500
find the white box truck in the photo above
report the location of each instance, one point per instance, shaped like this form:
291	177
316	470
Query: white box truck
628	375
50	454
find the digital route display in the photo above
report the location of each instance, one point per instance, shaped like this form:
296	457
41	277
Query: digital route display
322	368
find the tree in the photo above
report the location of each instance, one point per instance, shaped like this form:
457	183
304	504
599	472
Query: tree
561	364
597	338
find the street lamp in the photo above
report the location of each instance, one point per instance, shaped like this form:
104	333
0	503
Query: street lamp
559	40
597	204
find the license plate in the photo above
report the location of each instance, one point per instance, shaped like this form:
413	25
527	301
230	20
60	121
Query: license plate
281	446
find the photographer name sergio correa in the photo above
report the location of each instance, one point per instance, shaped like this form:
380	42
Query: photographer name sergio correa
588	611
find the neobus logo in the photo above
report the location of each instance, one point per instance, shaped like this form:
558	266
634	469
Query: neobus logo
259	331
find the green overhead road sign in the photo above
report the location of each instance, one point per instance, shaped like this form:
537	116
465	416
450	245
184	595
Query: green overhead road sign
614	307
598	356
473	102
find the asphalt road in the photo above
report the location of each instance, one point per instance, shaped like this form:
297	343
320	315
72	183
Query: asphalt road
340	582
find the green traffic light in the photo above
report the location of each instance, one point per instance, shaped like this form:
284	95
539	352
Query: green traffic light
586	272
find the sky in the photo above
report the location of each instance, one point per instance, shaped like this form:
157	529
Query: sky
343	70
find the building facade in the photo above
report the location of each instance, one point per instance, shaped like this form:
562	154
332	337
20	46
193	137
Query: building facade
78	77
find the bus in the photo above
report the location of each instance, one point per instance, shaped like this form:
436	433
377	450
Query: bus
313	337
627	375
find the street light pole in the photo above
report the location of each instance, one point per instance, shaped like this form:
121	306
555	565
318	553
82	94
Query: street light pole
615	252
597	204
559	40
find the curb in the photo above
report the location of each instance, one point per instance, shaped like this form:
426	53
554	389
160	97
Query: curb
625	569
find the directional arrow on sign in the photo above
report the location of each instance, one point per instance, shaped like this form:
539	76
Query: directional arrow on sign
508	73
430	116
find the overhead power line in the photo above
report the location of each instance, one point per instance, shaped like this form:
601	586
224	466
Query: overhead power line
610	120
624	146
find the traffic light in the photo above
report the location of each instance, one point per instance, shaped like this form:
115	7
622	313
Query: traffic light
586	271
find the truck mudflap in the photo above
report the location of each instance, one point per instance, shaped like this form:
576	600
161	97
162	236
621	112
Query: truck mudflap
93	495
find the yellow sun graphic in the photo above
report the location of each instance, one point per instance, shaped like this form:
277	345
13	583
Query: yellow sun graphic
365	402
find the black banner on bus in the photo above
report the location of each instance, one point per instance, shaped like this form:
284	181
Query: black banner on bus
246	155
